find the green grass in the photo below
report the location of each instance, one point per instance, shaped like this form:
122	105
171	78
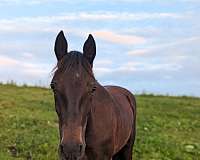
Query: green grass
168	128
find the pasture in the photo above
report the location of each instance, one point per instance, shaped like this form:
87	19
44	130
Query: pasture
168	128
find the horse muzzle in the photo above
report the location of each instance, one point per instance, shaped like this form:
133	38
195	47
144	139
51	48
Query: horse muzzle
71	151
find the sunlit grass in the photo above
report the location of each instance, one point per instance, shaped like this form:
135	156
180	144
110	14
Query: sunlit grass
167	127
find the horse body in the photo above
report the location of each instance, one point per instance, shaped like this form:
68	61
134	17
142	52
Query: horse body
95	122
124	110
115	105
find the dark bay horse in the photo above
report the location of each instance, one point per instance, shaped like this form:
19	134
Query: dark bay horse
95	122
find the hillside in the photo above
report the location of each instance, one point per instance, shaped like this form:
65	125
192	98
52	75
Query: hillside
167	127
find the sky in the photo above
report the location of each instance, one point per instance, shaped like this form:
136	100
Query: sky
147	46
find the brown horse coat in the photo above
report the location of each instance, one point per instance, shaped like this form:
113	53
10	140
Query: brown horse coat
95	122
112	120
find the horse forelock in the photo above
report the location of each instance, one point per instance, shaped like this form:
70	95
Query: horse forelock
71	62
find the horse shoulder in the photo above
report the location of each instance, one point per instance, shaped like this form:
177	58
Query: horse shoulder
125	110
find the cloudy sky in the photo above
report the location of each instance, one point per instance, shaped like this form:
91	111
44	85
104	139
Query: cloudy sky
143	45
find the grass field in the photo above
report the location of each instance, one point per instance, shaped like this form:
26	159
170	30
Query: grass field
168	128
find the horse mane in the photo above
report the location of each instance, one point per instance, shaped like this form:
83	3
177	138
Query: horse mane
71	59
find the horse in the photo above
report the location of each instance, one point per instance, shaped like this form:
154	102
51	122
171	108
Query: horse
95	122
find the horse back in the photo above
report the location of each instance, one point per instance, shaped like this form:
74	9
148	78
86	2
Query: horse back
125	111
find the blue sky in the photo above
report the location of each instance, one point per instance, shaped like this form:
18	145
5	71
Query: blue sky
143	45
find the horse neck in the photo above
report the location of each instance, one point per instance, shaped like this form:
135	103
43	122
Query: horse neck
101	92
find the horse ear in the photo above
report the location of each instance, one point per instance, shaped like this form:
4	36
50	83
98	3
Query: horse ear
61	45
89	49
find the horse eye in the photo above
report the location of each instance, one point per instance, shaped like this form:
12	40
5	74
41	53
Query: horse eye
52	85
93	89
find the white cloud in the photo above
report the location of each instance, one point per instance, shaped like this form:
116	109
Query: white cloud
102	62
30	69
120	16
88	16
51	24
34	46
101	71
96	16
38	2
119	38
142	1
28	55
8	62
156	48
138	52
133	67
29	2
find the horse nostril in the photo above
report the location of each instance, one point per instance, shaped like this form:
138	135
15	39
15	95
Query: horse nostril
61	147
80	147
71	148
